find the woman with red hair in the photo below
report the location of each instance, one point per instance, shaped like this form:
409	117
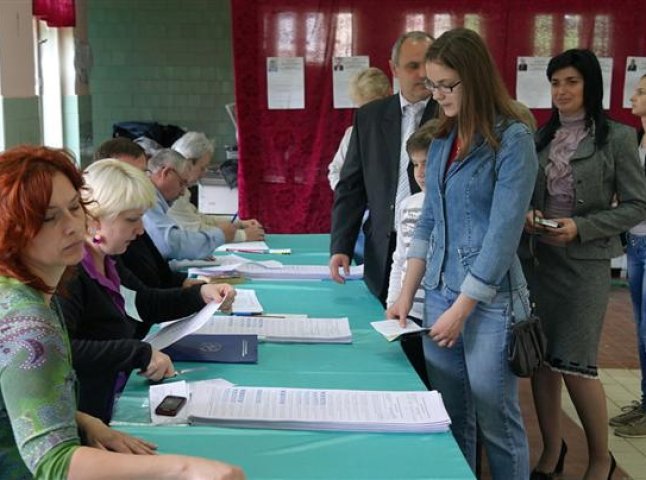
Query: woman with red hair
42	232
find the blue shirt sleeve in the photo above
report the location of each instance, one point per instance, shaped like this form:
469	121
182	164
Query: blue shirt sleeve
175	242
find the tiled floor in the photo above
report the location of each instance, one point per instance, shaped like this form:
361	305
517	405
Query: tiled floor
621	378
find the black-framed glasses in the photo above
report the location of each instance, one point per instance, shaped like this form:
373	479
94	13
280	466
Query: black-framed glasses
182	181
443	89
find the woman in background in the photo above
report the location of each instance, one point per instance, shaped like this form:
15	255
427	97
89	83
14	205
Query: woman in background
42	231
586	161
479	176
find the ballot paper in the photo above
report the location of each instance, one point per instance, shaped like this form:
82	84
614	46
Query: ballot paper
317	409
296	272
156	394
272	329
246	303
170	332
392	331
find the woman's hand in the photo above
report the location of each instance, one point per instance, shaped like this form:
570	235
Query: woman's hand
448	327
98	435
531	226
565	233
218	292
400	310
160	366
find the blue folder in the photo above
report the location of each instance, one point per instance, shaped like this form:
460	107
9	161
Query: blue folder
215	348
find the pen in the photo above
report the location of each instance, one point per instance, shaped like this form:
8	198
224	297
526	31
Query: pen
241	250
233	219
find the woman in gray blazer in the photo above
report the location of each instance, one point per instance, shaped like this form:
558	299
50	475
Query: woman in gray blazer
591	186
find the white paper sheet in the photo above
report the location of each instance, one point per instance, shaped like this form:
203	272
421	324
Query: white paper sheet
174	331
297	408
635	69
343	69
271	329
246	303
285	83
392	331
130	298
156	394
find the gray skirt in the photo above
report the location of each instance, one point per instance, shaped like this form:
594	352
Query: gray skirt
571	298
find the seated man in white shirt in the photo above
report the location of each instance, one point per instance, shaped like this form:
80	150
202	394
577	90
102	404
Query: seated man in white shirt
169	173
199	150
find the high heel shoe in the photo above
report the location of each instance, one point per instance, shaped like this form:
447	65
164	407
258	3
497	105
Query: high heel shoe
558	469
613	465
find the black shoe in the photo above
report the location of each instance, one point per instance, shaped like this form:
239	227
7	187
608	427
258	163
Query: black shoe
558	469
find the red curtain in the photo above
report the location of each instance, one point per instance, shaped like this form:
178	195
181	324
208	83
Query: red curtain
56	13
284	153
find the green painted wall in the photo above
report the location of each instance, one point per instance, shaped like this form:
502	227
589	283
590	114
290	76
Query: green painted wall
168	61
20	121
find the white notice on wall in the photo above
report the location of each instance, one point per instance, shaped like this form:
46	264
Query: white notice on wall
606	74
635	69
285	83
533	87
343	69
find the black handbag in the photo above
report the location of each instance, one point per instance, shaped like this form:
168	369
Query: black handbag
526	350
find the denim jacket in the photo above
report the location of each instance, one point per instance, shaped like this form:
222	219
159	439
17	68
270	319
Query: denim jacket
473	216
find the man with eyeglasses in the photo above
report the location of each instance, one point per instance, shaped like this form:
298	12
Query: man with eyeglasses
377	174
169	173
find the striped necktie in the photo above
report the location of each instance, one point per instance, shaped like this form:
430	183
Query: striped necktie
411	117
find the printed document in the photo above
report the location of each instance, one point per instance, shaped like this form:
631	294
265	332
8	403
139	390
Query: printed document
271	329
316	409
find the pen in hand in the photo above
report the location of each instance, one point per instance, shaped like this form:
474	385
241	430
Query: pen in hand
233	219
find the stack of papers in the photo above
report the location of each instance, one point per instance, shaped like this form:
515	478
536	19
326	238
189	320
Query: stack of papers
392	331
246	303
295	272
310	409
291	329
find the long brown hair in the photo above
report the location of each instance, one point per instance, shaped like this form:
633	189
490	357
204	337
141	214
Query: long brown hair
26	174
484	95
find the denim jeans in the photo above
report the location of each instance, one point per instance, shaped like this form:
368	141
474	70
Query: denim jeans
636	252
475	381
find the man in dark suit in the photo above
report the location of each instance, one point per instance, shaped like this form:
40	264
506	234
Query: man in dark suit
377	175
370	177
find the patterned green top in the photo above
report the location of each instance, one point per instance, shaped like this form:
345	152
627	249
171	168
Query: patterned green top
38	432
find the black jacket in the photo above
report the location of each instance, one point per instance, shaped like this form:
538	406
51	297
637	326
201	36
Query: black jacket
369	179
105	341
144	260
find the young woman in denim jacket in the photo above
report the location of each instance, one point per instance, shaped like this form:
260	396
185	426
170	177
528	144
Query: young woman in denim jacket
631	423
479	176
591	184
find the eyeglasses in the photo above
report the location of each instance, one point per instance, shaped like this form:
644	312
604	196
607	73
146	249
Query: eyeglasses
443	89
182	181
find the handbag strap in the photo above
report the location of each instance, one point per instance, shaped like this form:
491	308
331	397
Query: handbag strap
511	301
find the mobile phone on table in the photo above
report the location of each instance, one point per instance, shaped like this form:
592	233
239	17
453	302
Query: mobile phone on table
546	222
170	405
